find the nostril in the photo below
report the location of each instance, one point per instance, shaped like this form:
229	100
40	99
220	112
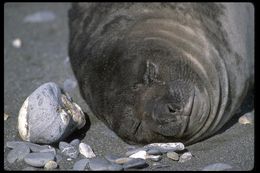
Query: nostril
171	109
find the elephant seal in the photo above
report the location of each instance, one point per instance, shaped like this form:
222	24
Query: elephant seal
158	72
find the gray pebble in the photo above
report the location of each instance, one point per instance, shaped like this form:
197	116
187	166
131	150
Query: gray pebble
18	153
13	144
68	150
50	165
217	167
112	157
98	164
80	165
135	163
154	152
115	167
37	148
49	150
29	168
38	159
75	143
173	155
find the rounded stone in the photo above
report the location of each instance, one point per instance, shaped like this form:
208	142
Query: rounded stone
173	155
80	164
18	153
68	150
185	157
50	165
48	115
98	164
86	150
135	163
38	159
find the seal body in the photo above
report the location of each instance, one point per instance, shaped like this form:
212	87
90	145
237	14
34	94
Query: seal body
157	72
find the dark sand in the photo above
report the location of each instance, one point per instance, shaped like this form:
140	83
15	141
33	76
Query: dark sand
42	58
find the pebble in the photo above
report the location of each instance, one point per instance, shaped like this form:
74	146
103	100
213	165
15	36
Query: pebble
68	150
49	150
86	150
50	165
80	164
135	163
98	164
58	158
37	148
247	118
140	154
123	160
165	147
217	167
49	114
38	159
75	143
154	152
133	151
185	157
6	116
17	43
41	16
14	144
115	167
29	168
173	155
18	153
112	157
154	158
159	165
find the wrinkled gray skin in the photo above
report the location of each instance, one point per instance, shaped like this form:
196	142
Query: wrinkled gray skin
157	72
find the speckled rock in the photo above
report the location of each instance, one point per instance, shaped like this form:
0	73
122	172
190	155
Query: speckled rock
68	150
38	159
48	115
75	143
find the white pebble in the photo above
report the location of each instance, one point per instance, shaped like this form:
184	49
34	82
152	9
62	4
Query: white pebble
86	150
185	157
140	154
6	116
17	43
165	147
248	118
50	165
